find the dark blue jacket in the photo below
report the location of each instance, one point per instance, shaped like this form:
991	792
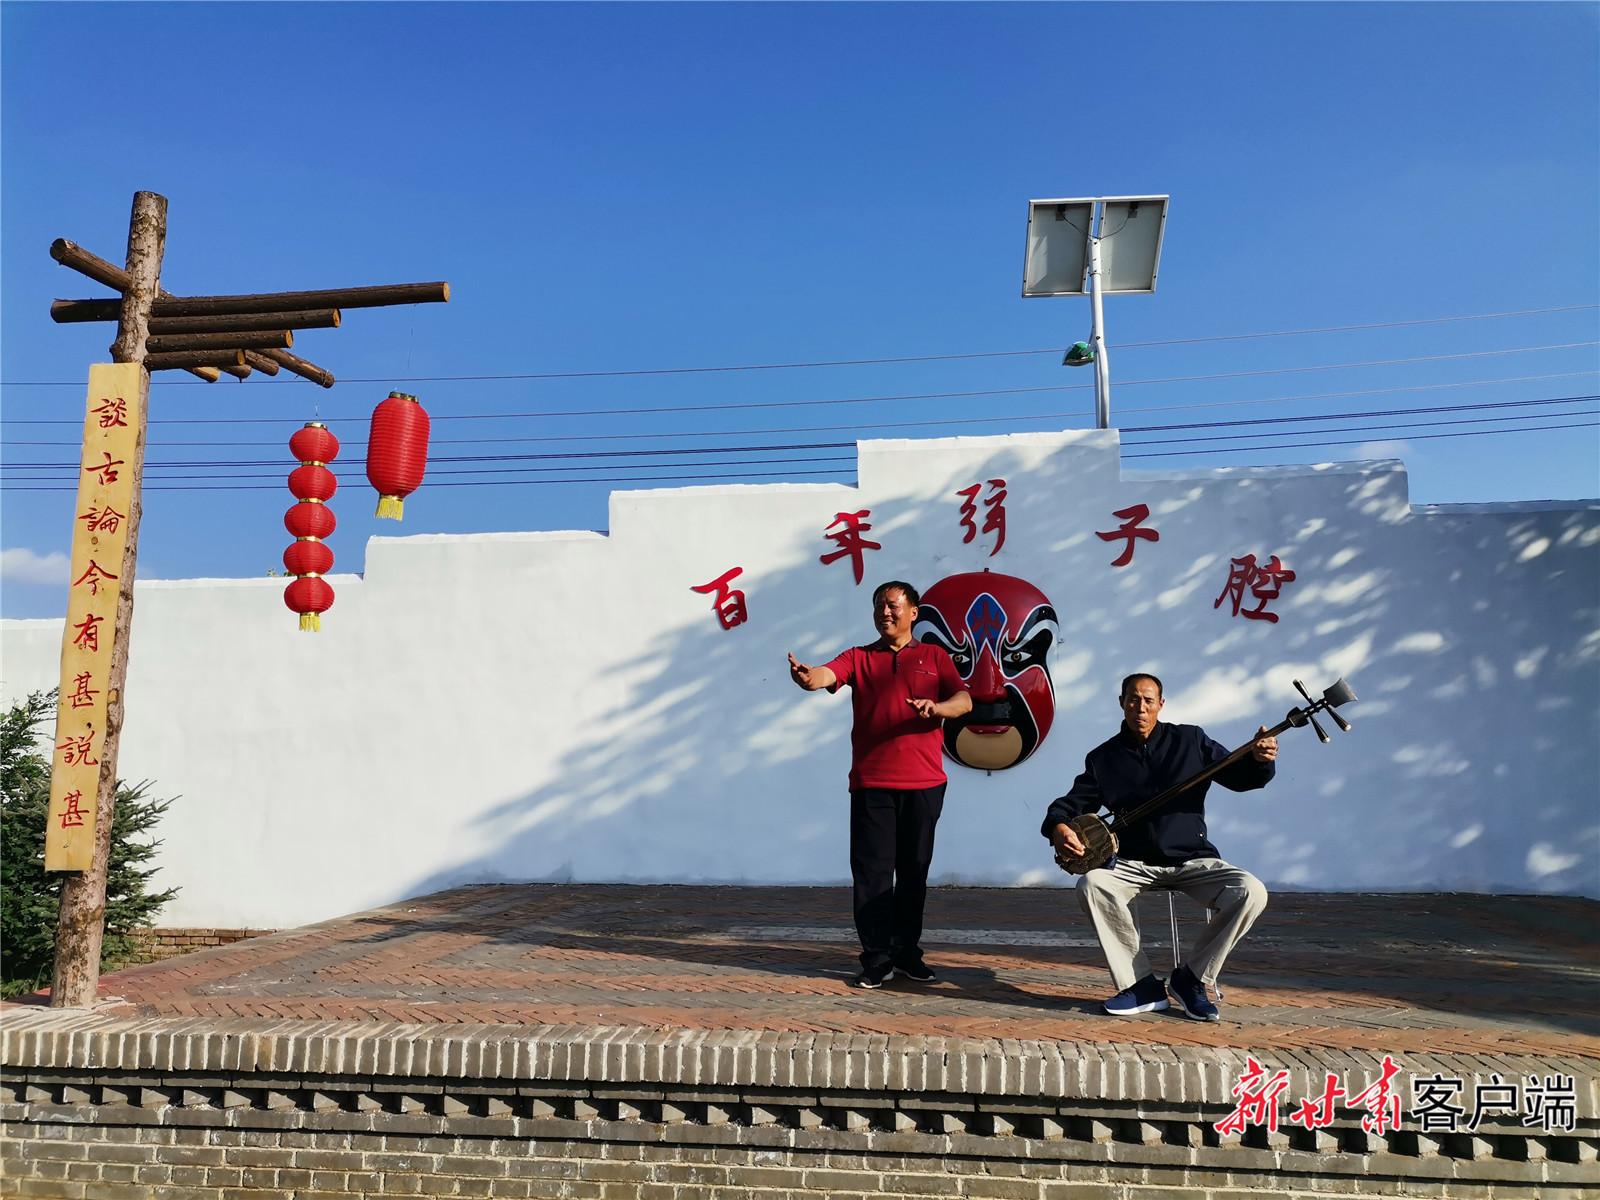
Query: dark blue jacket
1121	773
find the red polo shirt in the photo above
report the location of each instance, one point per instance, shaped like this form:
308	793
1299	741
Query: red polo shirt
890	746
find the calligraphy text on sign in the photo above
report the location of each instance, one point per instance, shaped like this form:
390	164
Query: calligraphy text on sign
117	393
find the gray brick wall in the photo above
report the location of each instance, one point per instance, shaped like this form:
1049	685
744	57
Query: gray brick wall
102	1161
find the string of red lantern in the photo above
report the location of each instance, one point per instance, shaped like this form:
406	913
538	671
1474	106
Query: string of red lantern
310	520
397	451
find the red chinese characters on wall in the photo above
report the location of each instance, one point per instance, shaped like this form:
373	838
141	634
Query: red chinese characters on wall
1251	588
1264	581
994	518
1132	529
849	539
728	603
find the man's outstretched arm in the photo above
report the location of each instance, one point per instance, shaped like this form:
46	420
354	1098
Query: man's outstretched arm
812	679
958	705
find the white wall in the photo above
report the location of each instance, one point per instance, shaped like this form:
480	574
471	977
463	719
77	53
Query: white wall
552	706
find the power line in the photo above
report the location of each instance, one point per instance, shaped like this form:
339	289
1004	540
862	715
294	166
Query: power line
163	484
352	446
267	487
1415	387
1238	337
1244	437
1357	441
685	408
916	358
1376	412
349	470
358	477
461	458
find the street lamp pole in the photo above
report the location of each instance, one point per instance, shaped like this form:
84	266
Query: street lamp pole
1097	338
1094	246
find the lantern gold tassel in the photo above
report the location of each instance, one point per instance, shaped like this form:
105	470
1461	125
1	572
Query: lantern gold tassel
310	622
391	507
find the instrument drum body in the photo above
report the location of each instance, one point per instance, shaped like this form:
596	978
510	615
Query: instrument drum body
1099	845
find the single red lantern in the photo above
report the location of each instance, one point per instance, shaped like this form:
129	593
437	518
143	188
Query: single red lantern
311	520
310	596
308	556
313	481
314	444
397	451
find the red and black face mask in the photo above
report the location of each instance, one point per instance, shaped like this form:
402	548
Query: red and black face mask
999	630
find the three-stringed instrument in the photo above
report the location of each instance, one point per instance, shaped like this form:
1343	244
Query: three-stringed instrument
1099	835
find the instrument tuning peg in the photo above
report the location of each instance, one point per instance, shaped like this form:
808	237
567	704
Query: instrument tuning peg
1313	705
1338	694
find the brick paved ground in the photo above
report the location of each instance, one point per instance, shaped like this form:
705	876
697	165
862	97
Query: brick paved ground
1450	974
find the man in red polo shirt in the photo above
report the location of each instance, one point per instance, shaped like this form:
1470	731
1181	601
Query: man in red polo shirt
900	692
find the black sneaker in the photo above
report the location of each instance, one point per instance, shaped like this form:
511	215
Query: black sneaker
873	977
1191	996
917	972
1147	995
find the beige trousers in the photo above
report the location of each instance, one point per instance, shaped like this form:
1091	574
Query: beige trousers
1107	895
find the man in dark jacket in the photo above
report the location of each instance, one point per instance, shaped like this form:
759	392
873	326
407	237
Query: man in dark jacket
1167	849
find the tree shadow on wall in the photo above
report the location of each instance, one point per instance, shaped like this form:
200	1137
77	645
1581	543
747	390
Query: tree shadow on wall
699	761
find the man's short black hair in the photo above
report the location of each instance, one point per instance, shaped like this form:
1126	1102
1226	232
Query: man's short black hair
896	585
1133	679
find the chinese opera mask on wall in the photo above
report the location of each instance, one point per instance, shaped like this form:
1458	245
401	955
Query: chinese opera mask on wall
999	630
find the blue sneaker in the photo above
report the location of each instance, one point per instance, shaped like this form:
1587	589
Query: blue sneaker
1145	996
1191	996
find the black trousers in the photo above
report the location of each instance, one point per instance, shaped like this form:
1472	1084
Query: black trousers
891	847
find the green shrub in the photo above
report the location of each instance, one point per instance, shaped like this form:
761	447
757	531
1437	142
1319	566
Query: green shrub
29	896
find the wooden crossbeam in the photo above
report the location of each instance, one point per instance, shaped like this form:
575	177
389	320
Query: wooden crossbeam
183	359
70	254
162	343
380	296
69	312
298	365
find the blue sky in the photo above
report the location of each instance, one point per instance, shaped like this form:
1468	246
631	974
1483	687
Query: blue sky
636	188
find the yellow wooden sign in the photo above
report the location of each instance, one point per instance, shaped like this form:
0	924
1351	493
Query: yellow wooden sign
112	456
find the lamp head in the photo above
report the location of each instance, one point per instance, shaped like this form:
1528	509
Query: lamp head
1079	354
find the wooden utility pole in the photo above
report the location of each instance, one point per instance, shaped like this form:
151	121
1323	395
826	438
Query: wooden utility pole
155	331
81	925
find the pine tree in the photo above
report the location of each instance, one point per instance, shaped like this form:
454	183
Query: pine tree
29	896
